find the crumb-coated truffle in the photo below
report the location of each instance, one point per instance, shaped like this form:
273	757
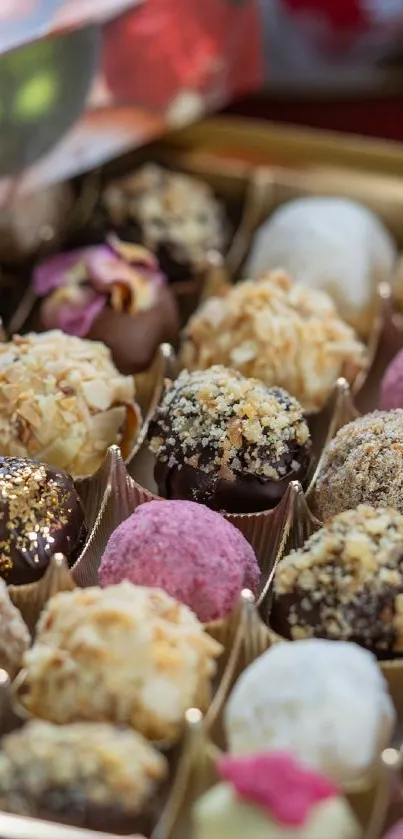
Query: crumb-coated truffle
189	551
391	392
329	243
363	465
345	583
95	776
62	401
173	214
14	636
284	334
40	514
227	441
325	702
124	654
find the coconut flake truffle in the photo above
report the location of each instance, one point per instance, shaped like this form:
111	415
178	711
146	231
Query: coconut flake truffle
363	465
124	654
272	796
333	244
284	334
62	401
325	702
14	636
227	441
40	514
189	551
346	583
174	215
93	775
391	394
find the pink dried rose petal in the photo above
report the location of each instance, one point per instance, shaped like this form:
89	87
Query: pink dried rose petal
73	315
277	783
52	273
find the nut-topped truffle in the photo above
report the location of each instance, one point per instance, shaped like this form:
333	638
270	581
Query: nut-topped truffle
14	636
40	514
227	441
346	583
363	465
284	334
125	654
91	775
63	402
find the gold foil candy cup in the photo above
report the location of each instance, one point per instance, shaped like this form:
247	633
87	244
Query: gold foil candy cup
31	598
392	670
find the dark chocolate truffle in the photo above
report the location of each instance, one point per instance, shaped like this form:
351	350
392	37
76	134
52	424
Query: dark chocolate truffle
363	465
227	441
40	515
346	583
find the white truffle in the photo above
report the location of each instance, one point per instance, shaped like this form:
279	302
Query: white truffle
325	702
333	244
14	635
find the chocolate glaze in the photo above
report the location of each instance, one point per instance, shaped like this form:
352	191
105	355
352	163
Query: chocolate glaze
40	514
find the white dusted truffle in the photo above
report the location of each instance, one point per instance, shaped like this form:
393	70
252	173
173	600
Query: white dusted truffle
14	635
333	244
325	702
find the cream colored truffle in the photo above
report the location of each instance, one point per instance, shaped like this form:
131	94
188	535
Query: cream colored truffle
14	636
96	765
333	244
63	402
284	334
326	702
124	654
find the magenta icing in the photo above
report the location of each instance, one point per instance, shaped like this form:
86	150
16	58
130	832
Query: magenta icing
277	783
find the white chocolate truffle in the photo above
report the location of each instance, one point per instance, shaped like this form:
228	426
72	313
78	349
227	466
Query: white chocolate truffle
284	334
125	654
325	702
221	814
63	401
333	244
14	635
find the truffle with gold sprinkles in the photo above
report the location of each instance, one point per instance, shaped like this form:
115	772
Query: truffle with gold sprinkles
363	465
346	583
229	442
40	515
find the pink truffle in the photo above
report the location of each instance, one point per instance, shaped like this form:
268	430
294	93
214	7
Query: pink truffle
391	395
395	832
188	550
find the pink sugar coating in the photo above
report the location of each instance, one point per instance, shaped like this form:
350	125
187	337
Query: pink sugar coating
391	393
396	832
278	784
189	551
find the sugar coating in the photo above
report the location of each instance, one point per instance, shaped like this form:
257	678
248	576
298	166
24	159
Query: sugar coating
396	832
329	243
125	654
91	763
363	465
218	420
325	702
173	210
346	582
189	551
14	635
391	392
284	334
62	401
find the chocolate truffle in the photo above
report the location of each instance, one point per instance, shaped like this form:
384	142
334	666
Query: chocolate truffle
216	561
40	514
174	215
31	221
272	796
363	465
329	243
391	394
90	775
124	654
326	703
14	636
63	402
113	293
346	583
284	334
228	442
